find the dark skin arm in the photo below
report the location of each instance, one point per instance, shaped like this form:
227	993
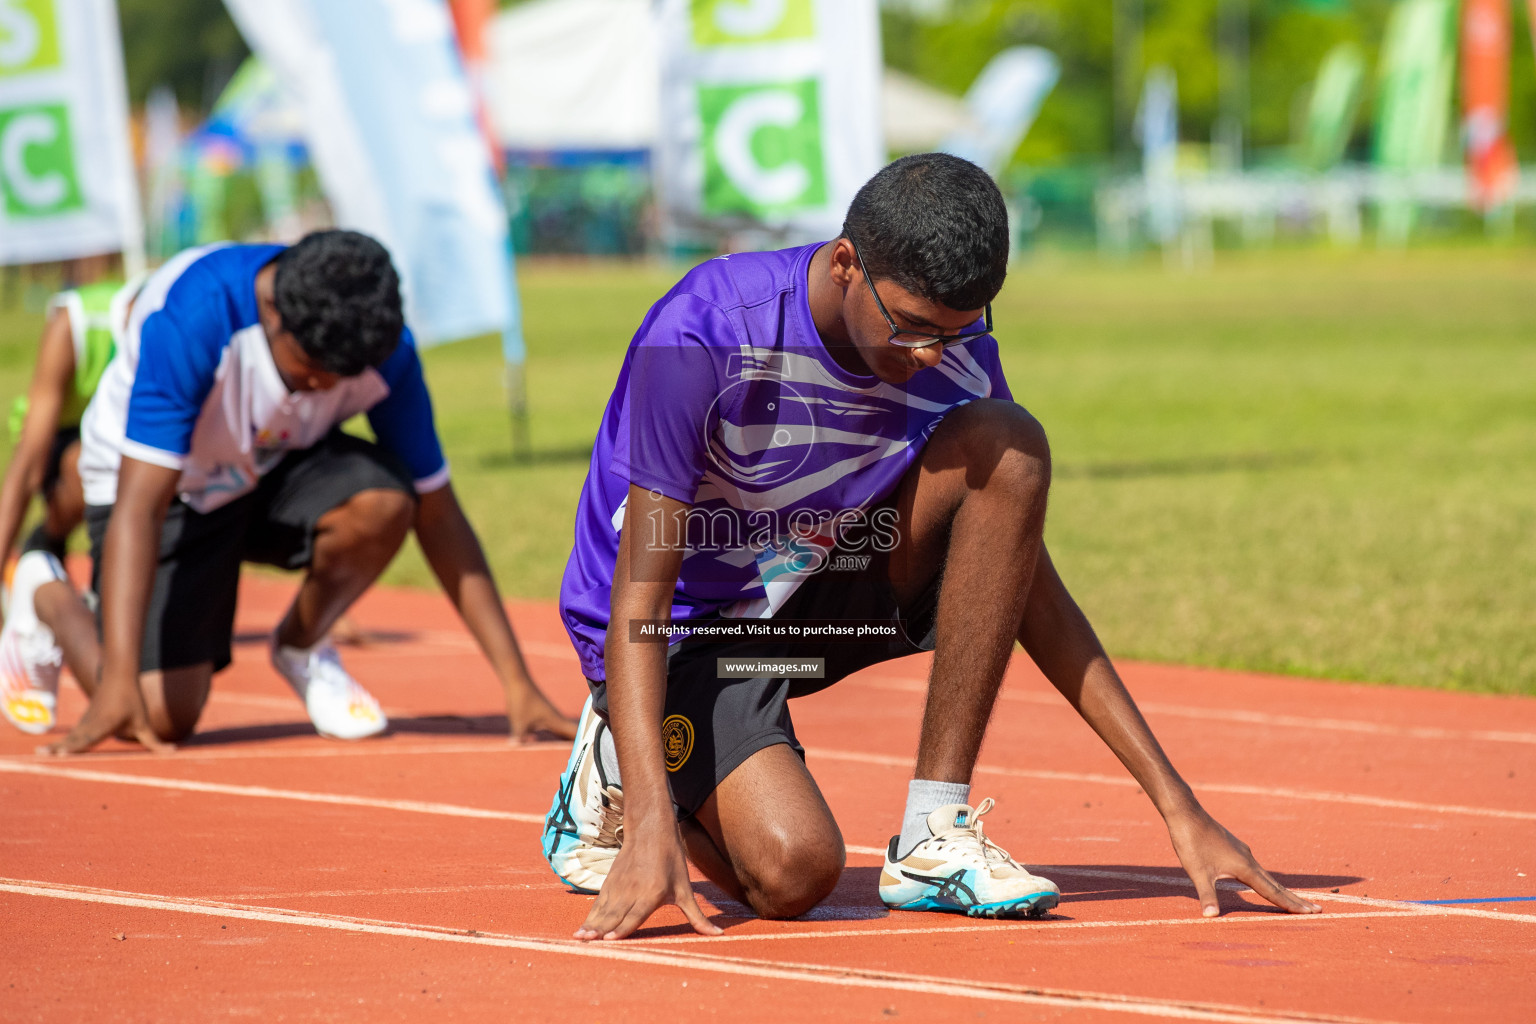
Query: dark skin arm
1059	638
45	397
129	555
651	871
454	552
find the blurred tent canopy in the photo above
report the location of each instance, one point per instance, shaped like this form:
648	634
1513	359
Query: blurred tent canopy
193	46
594	66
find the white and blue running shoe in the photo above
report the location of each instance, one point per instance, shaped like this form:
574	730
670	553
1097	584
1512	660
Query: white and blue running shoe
585	826
960	871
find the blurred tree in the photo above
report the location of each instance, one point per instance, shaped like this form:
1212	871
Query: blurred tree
1287	40
190	45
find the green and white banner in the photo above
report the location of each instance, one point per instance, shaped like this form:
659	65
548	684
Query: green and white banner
66	172
1418	74
770	113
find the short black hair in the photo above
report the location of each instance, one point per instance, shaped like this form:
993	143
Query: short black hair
936	225
338	294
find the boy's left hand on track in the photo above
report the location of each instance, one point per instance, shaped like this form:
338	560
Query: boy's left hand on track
1209	853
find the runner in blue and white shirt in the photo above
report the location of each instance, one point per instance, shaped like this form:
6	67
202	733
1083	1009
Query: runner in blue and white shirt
214	439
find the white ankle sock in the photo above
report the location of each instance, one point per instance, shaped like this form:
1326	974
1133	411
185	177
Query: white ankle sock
924	796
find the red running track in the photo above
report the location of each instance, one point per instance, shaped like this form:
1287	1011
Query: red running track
265	873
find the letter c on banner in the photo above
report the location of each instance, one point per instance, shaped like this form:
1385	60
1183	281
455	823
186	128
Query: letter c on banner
733	146
20	36
41	190
749	17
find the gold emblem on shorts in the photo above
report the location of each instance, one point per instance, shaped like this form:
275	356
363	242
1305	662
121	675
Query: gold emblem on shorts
676	741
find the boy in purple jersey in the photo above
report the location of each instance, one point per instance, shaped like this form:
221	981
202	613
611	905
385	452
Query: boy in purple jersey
813	438
212	440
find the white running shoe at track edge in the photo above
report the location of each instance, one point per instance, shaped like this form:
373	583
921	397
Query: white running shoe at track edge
585	827
30	659
960	871
337	704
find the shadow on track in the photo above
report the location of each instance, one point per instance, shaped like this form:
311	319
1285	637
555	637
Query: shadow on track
421	725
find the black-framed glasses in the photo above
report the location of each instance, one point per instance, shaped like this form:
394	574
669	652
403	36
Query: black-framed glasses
916	339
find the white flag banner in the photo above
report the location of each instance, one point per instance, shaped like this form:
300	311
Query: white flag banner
1004	100
770	113
66	171
390	124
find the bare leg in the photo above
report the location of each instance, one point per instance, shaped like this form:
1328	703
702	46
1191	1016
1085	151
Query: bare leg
74	629
66	502
973	509
174	698
767	837
354	543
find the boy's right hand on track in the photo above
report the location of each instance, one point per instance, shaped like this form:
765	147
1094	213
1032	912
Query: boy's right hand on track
114	711
649	873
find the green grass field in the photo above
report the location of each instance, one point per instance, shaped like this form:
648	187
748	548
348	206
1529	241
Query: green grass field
1312	463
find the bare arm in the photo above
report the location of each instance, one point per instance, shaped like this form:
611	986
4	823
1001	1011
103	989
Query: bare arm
129	556
651	871
1059	638
50	383
454	552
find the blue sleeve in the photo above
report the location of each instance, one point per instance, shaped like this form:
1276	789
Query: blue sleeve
671	391
403	420
180	346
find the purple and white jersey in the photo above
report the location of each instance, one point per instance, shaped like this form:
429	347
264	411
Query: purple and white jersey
729	402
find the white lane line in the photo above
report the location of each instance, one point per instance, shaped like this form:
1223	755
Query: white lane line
420	890
1039	928
907	684
268	750
1183	882
1126	782
459	811
456	810
842	977
196	786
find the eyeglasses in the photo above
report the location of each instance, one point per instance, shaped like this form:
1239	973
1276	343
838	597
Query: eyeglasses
916	339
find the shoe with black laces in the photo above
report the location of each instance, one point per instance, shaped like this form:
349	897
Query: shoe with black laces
585	827
959	870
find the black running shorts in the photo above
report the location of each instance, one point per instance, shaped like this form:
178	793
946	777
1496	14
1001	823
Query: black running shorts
191	614
711	725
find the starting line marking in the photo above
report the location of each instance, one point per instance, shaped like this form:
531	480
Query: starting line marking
1489	899
844	977
1012	928
459	811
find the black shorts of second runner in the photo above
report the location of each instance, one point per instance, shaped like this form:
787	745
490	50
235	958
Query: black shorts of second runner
191	613
711	725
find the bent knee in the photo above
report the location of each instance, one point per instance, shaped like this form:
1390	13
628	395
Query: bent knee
174	732
379	514
998	442
792	884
